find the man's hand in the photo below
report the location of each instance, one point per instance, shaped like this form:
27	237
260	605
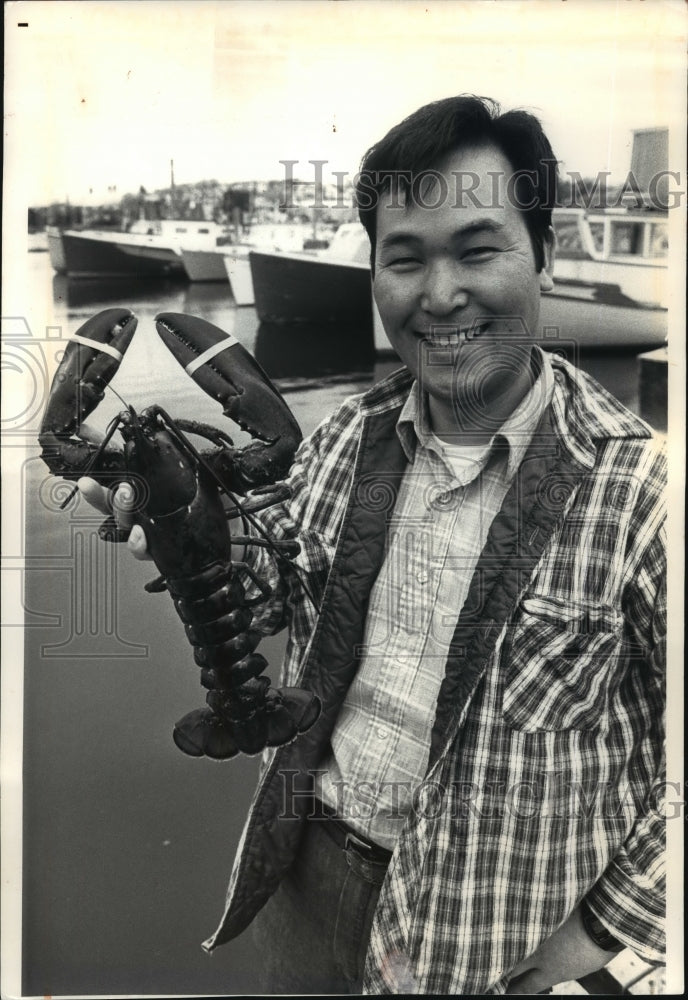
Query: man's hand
567	955
120	505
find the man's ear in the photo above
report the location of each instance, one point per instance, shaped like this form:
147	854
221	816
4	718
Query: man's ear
547	272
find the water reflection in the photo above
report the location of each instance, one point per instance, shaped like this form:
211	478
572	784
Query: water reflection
309	352
101	293
78	298
213	301
301	354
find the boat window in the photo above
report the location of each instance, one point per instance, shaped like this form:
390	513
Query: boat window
597	233
659	239
568	236
627	238
204	230
180	229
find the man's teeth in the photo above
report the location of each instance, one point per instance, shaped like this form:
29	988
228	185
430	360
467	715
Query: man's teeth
455	337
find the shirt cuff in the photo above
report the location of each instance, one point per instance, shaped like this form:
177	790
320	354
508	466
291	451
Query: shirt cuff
597	932
632	916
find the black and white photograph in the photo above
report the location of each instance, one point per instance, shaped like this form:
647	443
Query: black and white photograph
343	472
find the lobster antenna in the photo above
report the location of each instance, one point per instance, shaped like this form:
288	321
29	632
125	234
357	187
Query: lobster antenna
122	401
112	427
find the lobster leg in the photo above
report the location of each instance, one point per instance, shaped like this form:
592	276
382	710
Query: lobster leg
90	360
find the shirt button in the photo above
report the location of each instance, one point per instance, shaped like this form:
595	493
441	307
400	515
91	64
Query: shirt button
422	577
382	733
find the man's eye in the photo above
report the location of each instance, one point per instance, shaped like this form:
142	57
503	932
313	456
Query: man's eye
484	251
403	262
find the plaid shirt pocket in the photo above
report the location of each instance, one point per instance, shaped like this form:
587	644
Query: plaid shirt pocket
558	665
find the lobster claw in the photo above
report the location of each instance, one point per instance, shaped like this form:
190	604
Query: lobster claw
226	371
91	358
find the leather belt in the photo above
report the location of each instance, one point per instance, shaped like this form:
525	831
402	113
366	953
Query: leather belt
347	839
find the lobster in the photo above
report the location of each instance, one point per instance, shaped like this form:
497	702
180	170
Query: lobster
181	510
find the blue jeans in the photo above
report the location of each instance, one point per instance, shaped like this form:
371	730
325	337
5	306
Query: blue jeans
313	933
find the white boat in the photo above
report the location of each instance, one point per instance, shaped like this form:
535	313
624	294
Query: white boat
148	247
621	256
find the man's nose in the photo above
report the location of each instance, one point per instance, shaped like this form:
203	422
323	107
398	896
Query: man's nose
443	289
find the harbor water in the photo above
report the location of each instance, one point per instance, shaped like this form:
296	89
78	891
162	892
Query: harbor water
128	844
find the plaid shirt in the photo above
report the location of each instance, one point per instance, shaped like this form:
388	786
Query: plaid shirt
448	498
546	785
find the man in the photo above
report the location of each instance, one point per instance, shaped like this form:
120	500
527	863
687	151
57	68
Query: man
477	809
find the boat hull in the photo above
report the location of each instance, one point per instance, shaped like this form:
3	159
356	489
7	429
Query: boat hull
615	283
573	314
56	250
204	265
300	288
238	271
113	255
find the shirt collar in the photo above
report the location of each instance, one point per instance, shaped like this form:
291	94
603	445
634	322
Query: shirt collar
413	425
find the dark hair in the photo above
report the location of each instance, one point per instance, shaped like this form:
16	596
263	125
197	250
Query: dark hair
420	142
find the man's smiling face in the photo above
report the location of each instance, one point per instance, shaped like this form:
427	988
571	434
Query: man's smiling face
458	284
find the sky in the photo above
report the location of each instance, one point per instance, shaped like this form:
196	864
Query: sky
104	94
